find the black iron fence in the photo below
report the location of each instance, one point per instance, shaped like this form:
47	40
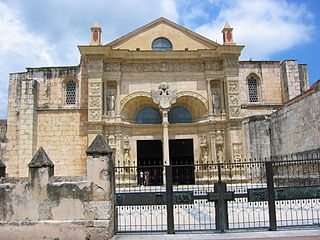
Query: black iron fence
261	194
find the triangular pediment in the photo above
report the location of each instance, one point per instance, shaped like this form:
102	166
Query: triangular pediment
180	37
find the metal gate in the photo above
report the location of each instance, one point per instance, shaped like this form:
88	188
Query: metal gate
224	196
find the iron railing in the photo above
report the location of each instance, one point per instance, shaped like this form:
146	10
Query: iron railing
221	196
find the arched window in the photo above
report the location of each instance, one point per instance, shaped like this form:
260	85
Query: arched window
148	115
253	90
71	92
161	44
179	115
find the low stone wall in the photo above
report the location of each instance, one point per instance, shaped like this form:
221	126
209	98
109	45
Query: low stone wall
46	207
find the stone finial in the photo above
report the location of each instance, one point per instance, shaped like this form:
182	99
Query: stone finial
99	147
95	34
41	159
227	35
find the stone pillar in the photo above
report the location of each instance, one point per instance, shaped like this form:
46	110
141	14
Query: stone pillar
27	139
41	171
290	79
100	174
165	123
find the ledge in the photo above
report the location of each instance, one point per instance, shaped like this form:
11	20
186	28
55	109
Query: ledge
61	108
260	105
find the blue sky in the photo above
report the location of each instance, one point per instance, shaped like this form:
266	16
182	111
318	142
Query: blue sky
37	33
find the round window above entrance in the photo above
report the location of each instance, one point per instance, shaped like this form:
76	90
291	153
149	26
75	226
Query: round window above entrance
161	44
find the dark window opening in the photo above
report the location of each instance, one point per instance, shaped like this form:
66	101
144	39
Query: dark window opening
253	90
71	92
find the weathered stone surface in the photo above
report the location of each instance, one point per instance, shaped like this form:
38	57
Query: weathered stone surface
99	147
41	159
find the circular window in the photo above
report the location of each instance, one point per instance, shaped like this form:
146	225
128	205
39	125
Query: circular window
161	44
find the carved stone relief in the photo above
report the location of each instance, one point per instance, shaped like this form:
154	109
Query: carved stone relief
233	86
164	96
94	114
234	99
216	65
163	67
94	102
219	150
235	111
111	139
95	63
219	137
216	102
232	62
126	154
112	67
237	152
94	89
204	155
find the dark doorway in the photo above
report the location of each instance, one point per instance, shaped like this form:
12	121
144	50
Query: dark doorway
181	158
149	162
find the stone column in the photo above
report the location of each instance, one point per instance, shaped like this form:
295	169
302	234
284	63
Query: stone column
41	170
165	123
100	175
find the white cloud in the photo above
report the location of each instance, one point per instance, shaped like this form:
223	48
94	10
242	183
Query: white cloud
18	49
263	26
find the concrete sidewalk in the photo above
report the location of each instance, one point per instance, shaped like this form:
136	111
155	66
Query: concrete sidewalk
294	234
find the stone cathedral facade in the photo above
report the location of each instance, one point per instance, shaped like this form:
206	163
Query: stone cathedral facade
161	94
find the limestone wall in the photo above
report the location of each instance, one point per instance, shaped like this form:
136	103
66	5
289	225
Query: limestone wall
257	137
3	138
63	134
42	91
296	127
268	75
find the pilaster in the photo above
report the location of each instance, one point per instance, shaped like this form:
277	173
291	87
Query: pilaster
231	65
27	124
95	98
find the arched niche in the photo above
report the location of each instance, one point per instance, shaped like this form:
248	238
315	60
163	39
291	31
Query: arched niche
194	103
133	103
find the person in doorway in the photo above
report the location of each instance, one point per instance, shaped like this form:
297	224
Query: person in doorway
147	178
141	178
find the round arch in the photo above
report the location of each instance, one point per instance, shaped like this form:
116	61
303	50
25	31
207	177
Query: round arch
133	103
195	103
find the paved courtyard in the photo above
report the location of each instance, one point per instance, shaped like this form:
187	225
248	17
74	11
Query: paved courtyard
294	234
